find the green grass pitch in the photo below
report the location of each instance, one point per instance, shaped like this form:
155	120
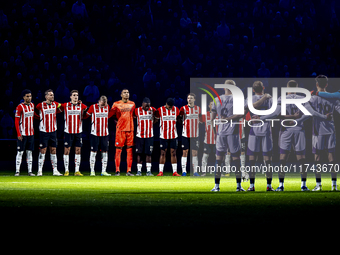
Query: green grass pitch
123	202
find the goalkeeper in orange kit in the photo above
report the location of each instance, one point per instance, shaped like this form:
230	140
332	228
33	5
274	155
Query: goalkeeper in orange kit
124	110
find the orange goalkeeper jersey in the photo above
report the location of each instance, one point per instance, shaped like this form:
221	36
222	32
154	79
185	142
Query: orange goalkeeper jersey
124	113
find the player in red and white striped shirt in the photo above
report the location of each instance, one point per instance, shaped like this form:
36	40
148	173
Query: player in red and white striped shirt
191	118
209	146
73	128
168	116
145	116
24	116
48	126
100	114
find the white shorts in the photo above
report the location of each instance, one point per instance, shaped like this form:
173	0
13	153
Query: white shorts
296	138
258	144
323	143
225	143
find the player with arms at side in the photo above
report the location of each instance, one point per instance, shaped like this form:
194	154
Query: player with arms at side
100	114
124	111
24	116
48	131
145	116
168	116
191	115
73	128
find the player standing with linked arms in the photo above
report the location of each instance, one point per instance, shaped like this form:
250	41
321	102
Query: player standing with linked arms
191	114
48	131
145	116
168	116
100	114
73	128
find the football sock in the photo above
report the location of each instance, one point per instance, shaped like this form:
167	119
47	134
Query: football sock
174	167
184	164
282	173
194	163
333	174
92	160
269	173
161	167
205	162
29	160
77	159
318	175
227	160
237	164
148	167
41	160
104	161
117	159
252	173
66	161
301	162
54	161
129	159
139	167
243	160
333	181
18	160
218	171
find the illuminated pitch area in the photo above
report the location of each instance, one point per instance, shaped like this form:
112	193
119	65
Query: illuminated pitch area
156	202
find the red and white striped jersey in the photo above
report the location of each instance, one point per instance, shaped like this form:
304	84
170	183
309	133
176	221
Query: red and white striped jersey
99	120
192	117
167	122
209	137
73	116
48	116
25	113
145	122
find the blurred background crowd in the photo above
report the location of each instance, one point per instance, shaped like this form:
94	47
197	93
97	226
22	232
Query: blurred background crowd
154	47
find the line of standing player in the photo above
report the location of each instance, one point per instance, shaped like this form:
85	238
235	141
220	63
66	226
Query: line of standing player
260	138
124	111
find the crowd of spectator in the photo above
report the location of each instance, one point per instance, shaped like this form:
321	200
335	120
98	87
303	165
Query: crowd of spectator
154	47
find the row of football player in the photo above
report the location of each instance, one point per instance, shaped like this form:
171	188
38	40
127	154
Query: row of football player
124	110
258	93
321	105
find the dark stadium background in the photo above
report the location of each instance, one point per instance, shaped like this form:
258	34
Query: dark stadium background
153	48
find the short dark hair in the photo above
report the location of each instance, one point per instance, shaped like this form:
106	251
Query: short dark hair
74	91
123	90
322	80
146	100
25	91
103	98
170	101
258	86
47	91
292	84
192	94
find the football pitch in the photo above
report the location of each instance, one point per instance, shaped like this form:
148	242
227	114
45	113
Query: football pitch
137	202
